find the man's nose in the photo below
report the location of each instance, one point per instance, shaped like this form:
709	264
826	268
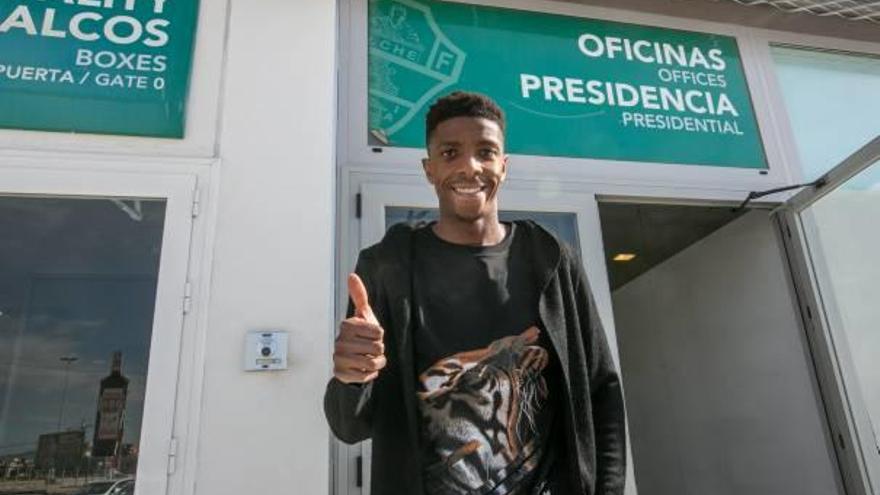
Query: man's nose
472	164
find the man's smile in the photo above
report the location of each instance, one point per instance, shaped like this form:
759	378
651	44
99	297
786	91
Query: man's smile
468	189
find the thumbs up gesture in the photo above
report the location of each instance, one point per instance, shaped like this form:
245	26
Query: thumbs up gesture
359	353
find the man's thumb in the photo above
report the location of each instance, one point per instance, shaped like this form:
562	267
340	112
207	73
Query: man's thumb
358	293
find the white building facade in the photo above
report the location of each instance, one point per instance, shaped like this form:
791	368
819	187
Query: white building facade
171	223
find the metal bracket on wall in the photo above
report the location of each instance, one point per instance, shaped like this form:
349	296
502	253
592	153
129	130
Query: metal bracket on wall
172	456
196	206
187	297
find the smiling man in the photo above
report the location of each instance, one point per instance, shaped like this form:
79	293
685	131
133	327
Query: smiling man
473	355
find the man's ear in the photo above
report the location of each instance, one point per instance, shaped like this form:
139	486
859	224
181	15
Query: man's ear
504	167
426	165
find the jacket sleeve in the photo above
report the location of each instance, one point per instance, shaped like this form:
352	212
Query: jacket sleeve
609	418
349	407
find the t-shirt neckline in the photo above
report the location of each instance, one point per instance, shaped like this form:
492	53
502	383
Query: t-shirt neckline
500	246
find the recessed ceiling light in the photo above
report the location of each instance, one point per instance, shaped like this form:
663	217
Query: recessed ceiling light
624	257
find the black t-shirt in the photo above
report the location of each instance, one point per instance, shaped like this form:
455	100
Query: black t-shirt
487	376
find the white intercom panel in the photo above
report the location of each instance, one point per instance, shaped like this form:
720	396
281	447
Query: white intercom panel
265	350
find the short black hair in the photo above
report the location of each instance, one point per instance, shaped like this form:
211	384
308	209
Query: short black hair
462	104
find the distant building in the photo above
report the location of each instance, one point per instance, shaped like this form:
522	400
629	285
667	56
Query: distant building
109	419
63	450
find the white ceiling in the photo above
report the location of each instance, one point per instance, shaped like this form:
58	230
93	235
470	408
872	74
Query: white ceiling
761	14
654	233
854	10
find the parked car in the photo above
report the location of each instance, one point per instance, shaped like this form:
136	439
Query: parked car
124	486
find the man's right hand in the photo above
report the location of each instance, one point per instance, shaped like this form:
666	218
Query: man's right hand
359	353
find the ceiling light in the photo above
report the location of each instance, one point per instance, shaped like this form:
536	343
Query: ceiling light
624	257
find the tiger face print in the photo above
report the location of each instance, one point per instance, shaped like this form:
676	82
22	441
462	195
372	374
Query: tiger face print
478	413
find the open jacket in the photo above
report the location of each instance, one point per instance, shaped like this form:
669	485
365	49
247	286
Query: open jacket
385	409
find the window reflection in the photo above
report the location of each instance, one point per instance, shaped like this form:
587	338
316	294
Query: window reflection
844	241
77	292
831	102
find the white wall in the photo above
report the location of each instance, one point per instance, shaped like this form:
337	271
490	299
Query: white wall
272	252
720	395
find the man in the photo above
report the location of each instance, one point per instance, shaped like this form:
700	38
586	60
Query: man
473	355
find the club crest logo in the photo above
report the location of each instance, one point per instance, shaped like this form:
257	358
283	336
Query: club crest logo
410	62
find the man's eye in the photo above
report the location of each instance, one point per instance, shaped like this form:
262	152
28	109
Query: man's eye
488	153
449	153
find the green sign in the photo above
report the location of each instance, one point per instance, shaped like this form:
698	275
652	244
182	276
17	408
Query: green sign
570	86
98	66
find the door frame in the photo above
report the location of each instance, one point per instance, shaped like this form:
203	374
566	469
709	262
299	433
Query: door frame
849	424
367	225
23	178
377	196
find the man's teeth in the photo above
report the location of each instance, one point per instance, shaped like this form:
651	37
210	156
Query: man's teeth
467	189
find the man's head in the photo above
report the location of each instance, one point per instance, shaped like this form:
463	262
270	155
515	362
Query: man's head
466	162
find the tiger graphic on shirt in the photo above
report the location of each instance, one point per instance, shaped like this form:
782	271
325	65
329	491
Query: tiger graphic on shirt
478	412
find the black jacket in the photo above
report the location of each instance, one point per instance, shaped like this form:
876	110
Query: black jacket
385	409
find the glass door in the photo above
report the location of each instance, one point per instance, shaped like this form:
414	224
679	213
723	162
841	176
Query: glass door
832	234
92	275
572	217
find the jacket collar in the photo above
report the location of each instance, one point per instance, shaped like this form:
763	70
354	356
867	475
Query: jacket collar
399	239
546	250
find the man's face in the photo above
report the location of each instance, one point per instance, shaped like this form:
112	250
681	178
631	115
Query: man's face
466	165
